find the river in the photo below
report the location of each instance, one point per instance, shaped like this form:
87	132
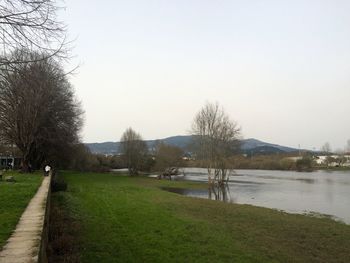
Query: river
319	192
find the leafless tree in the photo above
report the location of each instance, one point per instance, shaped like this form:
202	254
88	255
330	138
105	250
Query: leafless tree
216	138
30	25
134	150
340	159
38	110
83	160
326	148
167	156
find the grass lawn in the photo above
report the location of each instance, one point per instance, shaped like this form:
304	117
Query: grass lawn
124	219
14	198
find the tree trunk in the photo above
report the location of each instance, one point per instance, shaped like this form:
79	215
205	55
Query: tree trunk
25	165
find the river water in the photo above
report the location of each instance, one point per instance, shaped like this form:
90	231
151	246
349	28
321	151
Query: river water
319	192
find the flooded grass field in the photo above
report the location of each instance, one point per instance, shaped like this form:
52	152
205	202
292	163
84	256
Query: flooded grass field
321	193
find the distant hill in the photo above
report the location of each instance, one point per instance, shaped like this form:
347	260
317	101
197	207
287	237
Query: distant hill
259	146
103	147
249	146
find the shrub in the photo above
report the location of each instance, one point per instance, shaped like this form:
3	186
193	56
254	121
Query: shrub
304	164
58	184
287	164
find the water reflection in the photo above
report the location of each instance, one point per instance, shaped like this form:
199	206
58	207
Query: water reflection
320	192
219	193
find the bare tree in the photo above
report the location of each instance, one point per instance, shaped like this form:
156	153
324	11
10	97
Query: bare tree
134	150
38	111
167	156
340	159
83	160
216	138
326	148
30	25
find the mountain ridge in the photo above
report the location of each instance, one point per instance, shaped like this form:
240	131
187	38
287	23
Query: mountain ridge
250	145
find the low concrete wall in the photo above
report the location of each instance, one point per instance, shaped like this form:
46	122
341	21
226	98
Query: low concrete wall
28	242
45	232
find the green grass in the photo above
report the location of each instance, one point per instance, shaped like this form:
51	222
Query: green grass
14	198
125	219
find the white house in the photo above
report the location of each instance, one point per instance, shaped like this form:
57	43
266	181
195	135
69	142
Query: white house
322	160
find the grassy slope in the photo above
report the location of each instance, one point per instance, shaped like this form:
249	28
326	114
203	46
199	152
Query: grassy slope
14	198
131	220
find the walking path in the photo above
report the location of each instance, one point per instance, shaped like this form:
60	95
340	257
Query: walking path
24	244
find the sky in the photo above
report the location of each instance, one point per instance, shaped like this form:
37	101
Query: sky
280	69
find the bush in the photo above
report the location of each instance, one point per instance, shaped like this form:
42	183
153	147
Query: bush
270	165
304	164
287	164
58	184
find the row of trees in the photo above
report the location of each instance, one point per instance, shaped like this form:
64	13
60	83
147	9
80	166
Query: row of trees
155	161
39	112
136	156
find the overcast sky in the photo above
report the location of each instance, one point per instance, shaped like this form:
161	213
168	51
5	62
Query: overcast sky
281	69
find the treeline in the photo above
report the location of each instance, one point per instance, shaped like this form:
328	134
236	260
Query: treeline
157	160
264	162
307	162
170	156
260	162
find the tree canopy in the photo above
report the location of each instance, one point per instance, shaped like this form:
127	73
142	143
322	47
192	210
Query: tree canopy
28	26
38	110
134	150
216	139
167	156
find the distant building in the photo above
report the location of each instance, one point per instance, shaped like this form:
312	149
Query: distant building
322	159
9	162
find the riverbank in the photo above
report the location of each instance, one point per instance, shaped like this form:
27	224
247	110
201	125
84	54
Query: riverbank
278	167
278	162
130	219
333	168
